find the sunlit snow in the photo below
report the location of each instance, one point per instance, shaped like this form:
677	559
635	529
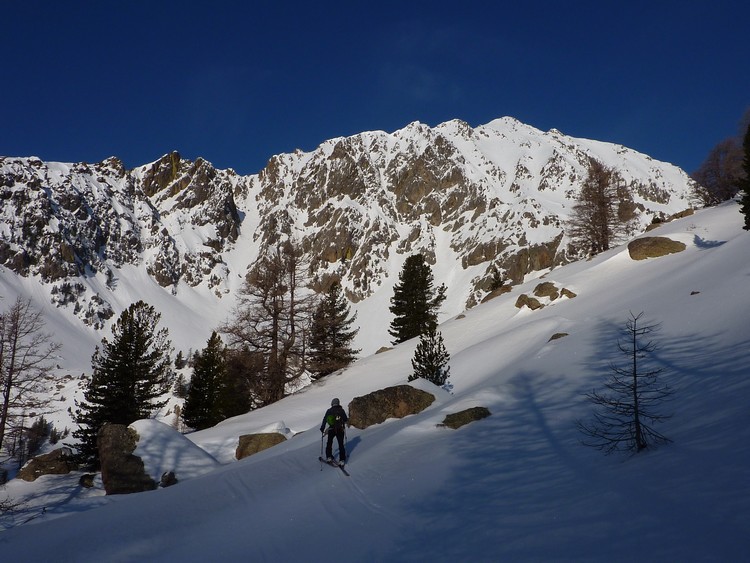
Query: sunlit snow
516	486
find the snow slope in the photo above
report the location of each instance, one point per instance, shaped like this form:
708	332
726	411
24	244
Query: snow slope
516	486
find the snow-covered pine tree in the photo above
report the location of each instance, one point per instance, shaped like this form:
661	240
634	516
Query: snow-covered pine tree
431	359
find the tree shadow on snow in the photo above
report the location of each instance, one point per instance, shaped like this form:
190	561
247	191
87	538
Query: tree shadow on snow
524	488
704	244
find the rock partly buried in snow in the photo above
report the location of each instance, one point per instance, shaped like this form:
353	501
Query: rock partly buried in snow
565	292
56	462
497	292
653	247
547	289
391	402
165	450
557	336
530	302
464	417
250	444
122	472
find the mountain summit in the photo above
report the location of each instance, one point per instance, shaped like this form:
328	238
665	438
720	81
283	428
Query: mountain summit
491	198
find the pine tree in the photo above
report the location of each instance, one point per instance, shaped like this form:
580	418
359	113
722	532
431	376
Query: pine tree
129	376
431	359
415	301
743	183
203	407
331	334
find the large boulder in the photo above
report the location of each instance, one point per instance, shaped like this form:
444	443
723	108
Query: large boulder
56	462
391	402
653	247
250	444
122	472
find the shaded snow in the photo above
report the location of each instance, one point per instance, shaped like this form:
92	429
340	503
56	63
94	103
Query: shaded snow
516	486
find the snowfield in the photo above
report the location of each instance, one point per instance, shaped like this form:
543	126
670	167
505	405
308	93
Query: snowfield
516	486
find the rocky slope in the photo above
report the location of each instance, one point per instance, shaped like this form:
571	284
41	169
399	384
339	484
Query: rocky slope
492	197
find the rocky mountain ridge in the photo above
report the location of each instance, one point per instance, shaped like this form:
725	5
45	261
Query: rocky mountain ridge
492	197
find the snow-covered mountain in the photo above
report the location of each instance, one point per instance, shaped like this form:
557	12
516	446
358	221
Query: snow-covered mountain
89	239
516	486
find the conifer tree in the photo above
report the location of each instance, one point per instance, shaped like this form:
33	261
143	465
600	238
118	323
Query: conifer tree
415	302
203	407
431	359
743	183
129	376
331	334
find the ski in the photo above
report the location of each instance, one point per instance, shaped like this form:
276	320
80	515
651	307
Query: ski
334	464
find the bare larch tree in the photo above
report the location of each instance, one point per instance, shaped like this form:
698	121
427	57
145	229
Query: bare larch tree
629	408
596	220
26	352
268	322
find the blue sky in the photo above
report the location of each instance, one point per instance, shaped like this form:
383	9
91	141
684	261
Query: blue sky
237	82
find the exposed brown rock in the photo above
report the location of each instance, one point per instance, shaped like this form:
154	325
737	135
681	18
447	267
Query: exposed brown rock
653	247
168	479
56	462
391	402
122	472
499	291
530	302
250	444
567	293
547	289
464	417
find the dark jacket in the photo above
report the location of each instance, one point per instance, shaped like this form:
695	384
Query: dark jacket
334	410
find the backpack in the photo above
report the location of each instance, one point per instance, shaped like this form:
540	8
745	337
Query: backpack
335	421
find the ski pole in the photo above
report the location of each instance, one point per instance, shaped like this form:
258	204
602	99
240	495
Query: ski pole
322	435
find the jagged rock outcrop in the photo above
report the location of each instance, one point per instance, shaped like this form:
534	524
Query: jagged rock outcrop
122	472
493	198
391	402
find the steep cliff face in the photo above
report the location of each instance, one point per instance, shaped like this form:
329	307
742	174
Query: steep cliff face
64	224
491	197
498	196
